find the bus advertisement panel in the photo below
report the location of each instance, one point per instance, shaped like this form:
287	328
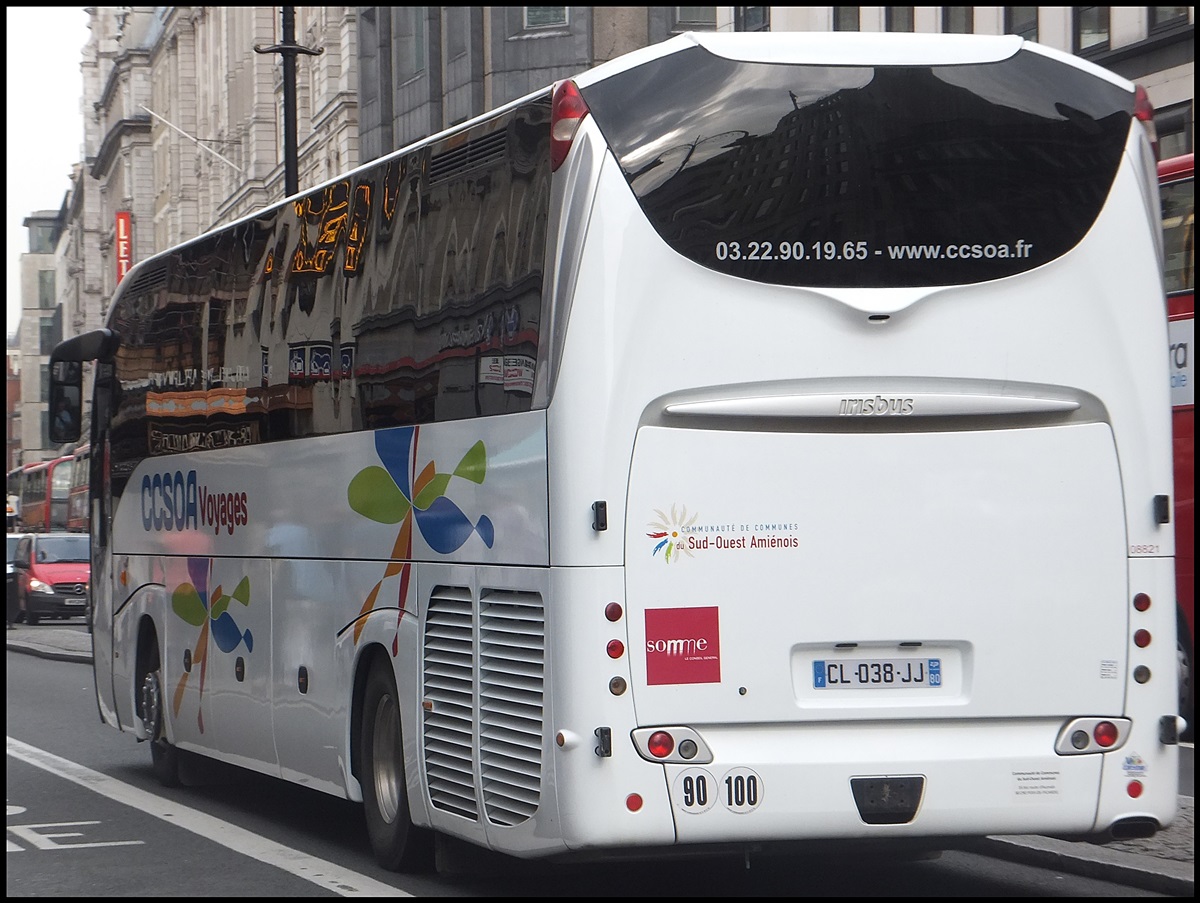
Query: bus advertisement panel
736	467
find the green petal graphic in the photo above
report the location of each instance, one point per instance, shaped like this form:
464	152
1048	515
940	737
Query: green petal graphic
374	494
473	465
187	603
219	606
433	491
242	593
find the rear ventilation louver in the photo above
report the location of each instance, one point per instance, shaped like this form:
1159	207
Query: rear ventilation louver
512	655
449	686
475	154
484	694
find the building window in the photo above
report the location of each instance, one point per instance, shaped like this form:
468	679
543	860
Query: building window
46	297
46	339
409	41
958	19
898	18
545	16
1021	21
845	18
695	18
43	382
1174	126
1162	17
1090	26
42	238
752	18
458	31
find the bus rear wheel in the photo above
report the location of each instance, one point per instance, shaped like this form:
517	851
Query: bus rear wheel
399	845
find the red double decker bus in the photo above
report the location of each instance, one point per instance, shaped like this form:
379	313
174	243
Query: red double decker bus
44	489
77	492
1177	186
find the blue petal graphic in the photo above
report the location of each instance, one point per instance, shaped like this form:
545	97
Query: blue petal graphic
225	632
443	525
486	531
394	447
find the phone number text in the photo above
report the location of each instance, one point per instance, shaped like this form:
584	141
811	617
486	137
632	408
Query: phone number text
792	250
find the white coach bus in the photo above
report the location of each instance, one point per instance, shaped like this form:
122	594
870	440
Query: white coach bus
758	438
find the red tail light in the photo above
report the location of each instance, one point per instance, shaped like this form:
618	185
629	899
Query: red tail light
567	110
1105	734
660	744
1144	110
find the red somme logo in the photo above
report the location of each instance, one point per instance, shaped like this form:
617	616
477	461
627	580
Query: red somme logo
683	646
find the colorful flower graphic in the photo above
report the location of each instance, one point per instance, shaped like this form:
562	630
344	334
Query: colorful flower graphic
397	494
193	603
669	533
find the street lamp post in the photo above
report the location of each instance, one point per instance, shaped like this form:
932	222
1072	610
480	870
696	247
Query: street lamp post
288	50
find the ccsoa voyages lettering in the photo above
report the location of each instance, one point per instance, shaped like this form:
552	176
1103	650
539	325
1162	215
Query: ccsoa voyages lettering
177	501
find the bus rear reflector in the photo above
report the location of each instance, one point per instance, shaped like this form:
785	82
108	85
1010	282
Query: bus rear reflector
567	110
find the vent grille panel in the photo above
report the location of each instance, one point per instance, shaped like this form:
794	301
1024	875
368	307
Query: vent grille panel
449	728
485	696
512	682
479	153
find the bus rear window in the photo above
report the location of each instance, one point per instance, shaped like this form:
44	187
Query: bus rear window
840	176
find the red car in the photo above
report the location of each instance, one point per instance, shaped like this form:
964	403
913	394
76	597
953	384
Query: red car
53	573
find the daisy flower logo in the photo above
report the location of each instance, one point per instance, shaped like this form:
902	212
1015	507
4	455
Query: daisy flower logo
668	533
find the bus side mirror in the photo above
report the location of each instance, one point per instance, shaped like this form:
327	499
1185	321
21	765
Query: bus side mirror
66	401
66	379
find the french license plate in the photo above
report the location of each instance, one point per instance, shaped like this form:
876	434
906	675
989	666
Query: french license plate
876	673
73	601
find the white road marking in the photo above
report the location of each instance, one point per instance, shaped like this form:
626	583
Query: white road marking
321	872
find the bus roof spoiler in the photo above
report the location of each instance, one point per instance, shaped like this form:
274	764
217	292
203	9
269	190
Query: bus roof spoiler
97	345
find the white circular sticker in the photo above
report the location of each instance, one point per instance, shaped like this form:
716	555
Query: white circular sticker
694	791
741	790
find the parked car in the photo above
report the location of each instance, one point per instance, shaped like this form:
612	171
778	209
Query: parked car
53	575
14	606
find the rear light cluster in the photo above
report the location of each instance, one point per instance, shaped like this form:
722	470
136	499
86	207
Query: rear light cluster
615	649
1141	637
1091	735
567	109
1143	111
679	745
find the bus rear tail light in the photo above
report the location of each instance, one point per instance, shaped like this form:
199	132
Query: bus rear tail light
660	745
1144	111
567	110
1105	734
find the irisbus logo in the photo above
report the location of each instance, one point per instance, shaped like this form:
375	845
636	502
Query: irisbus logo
177	501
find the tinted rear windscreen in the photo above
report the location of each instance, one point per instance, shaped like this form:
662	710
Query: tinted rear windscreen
844	176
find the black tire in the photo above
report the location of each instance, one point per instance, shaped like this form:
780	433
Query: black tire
399	845
164	758
31	618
